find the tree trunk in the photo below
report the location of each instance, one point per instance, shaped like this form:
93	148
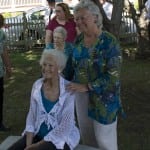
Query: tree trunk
143	45
143	39
116	16
114	24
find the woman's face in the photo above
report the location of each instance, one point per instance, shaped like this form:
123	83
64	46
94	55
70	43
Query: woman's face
85	21
60	14
49	68
58	39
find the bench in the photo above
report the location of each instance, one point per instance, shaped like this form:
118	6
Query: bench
8	142
12	139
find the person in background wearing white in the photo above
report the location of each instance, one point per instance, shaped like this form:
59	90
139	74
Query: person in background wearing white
108	7
147	6
51	4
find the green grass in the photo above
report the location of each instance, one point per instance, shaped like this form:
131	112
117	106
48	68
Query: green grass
17	90
133	132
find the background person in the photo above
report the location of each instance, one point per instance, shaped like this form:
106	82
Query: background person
97	63
59	43
108	7
51	4
4	66
63	18
50	122
147	6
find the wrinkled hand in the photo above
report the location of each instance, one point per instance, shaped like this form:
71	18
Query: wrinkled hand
76	87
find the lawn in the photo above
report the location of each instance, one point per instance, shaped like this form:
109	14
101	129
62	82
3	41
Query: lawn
133	132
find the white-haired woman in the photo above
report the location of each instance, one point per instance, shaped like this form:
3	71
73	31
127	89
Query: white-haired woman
96	62
59	43
50	122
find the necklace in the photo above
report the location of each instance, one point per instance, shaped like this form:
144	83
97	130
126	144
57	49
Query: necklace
90	40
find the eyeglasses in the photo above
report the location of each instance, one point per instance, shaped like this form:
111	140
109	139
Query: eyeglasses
57	11
82	18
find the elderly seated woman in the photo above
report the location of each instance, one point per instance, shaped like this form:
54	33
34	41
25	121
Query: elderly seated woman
50	123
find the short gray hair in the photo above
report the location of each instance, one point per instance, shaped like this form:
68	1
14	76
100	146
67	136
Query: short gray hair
93	8
61	30
57	55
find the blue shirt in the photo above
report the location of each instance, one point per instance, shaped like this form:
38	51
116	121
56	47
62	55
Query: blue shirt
48	105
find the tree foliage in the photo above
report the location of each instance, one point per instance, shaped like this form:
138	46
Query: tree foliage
114	24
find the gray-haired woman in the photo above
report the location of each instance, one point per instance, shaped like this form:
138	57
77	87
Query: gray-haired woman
96	62
59	43
50	122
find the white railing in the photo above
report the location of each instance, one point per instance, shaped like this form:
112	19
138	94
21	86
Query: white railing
14	3
24	33
128	30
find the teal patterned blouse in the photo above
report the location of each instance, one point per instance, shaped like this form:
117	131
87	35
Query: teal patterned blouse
100	66
2	43
67	50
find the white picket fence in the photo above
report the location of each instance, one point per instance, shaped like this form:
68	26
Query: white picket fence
23	33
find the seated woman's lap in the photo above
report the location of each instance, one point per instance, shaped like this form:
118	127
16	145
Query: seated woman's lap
21	144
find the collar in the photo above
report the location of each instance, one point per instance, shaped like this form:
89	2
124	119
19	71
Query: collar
62	85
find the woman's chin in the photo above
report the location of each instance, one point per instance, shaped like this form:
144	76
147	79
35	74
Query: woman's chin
47	77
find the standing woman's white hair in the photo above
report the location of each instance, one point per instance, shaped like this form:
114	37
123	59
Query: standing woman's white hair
58	56
93	8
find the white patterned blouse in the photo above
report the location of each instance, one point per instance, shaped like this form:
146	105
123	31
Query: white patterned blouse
61	117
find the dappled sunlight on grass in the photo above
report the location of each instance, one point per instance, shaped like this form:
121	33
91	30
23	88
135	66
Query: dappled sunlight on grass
19	71
133	132
30	56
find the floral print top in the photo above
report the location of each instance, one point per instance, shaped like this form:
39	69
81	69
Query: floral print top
100	66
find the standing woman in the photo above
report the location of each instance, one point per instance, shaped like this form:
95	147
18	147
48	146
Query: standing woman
97	62
63	18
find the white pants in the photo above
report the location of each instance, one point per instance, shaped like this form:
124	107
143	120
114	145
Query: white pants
106	135
93	133
84	122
